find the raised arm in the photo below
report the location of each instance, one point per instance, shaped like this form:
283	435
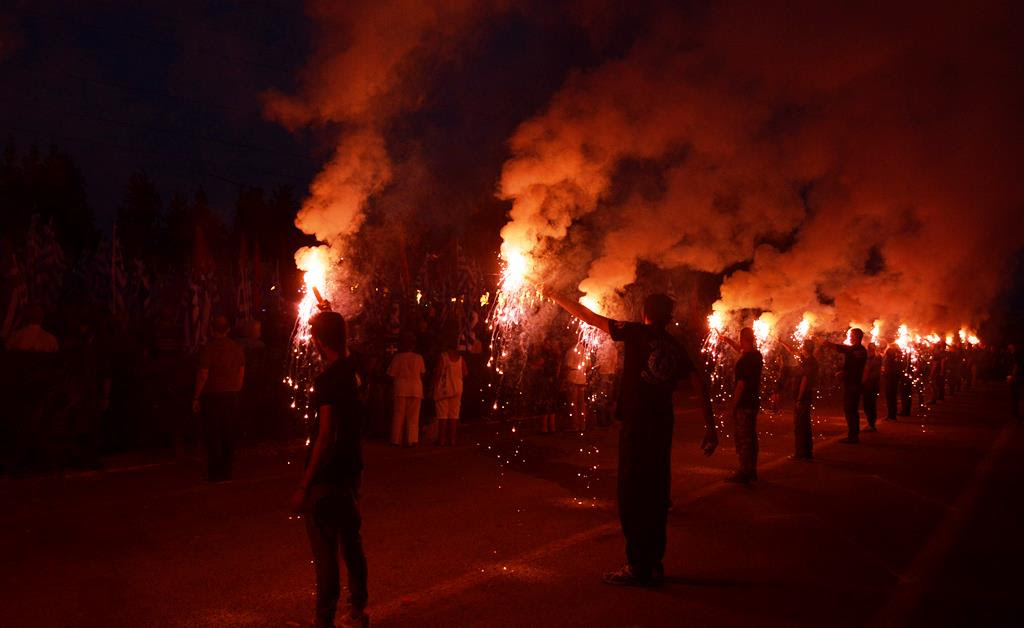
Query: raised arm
732	343
580	311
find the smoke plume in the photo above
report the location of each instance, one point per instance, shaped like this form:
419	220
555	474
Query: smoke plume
855	162
369	64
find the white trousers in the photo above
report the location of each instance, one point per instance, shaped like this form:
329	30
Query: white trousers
405	416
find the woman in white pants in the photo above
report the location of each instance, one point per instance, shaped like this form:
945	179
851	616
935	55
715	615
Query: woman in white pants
447	393
407	370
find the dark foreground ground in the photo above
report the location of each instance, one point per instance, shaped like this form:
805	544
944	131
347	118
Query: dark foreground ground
922	524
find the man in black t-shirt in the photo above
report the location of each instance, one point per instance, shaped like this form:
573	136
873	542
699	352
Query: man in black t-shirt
1016	377
653	364
329	492
892	373
746	400
872	378
855	358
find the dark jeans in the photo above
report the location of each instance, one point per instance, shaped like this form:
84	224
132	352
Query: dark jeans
802	430
603	388
219	411
644	483
938	388
333	523
851	402
891	386
906	395
744	436
870	394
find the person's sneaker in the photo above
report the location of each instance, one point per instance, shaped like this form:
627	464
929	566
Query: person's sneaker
356	620
849	441
870	428
740	478
658	574
626	577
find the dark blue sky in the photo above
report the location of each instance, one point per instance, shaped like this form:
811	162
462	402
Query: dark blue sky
174	89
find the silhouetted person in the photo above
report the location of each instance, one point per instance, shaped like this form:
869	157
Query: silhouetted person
872	382
937	372
807	387
746	402
406	372
447	389
653	364
329	493
219	380
855	356
892	373
1015	377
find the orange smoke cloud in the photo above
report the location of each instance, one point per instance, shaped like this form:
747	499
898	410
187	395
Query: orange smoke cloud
860	162
369	64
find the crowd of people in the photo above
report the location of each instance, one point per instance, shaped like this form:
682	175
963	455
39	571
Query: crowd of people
375	376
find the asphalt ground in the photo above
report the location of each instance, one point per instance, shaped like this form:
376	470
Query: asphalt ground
921	524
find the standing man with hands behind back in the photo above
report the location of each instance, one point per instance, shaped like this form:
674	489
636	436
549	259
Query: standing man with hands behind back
329	492
653	364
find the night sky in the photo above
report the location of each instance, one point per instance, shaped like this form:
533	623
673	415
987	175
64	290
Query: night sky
174	89
806	154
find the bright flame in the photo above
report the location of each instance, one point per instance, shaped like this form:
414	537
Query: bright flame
949	339
903	337
803	327
715	322
876	331
762	329
590	302
419	297
314	261
963	335
516	268
512	303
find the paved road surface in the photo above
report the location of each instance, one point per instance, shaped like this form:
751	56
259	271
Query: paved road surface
920	525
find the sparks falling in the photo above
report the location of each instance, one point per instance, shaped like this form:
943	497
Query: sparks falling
303	360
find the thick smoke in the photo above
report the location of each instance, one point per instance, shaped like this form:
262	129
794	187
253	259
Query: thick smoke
368	66
860	163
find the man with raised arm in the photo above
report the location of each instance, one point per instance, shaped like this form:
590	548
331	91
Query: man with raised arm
855	357
654	362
